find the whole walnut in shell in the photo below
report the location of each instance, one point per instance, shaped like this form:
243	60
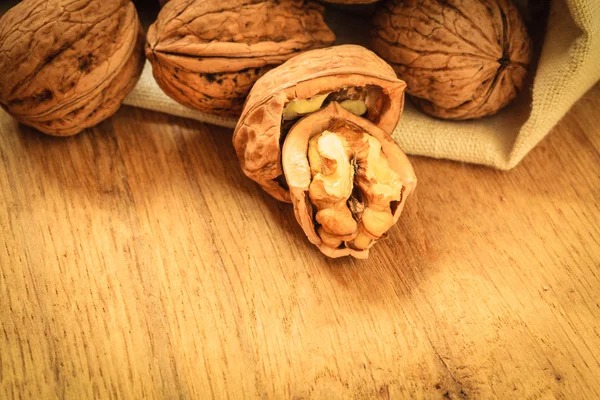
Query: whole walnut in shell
460	59
68	65
208	54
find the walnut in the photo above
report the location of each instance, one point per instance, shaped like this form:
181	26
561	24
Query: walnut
67	66
348	180
341	72
208	54
461	59
315	131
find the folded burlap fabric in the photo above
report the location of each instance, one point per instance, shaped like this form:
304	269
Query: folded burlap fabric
569	65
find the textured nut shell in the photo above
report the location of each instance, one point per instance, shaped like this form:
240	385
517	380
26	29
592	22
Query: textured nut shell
257	134
461	59
297	169
208	54
69	66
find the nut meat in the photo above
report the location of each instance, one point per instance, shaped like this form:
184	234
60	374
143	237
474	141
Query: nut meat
461	59
68	65
348	180
315	131
208	54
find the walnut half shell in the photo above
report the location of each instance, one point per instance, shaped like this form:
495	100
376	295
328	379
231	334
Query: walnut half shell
67	65
342	72
208	54
348	180
461	59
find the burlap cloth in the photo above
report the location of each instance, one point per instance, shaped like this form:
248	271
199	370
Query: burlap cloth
569	65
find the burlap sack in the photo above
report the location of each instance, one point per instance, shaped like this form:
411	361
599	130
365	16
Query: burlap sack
569	65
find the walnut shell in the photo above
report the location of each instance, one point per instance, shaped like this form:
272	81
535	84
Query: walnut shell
258	135
208	54
297	170
67	66
461	59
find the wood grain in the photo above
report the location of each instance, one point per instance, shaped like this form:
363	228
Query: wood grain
137	261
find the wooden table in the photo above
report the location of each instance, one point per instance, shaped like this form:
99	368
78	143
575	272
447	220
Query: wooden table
137	262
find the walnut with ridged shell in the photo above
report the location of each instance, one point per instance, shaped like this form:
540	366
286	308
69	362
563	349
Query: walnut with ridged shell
460	59
207	54
68	65
315	131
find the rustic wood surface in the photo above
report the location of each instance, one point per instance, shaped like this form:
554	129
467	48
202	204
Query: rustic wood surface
137	261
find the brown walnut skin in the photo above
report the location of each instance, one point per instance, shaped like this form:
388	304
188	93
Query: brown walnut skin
207	54
461	59
258	133
68	65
